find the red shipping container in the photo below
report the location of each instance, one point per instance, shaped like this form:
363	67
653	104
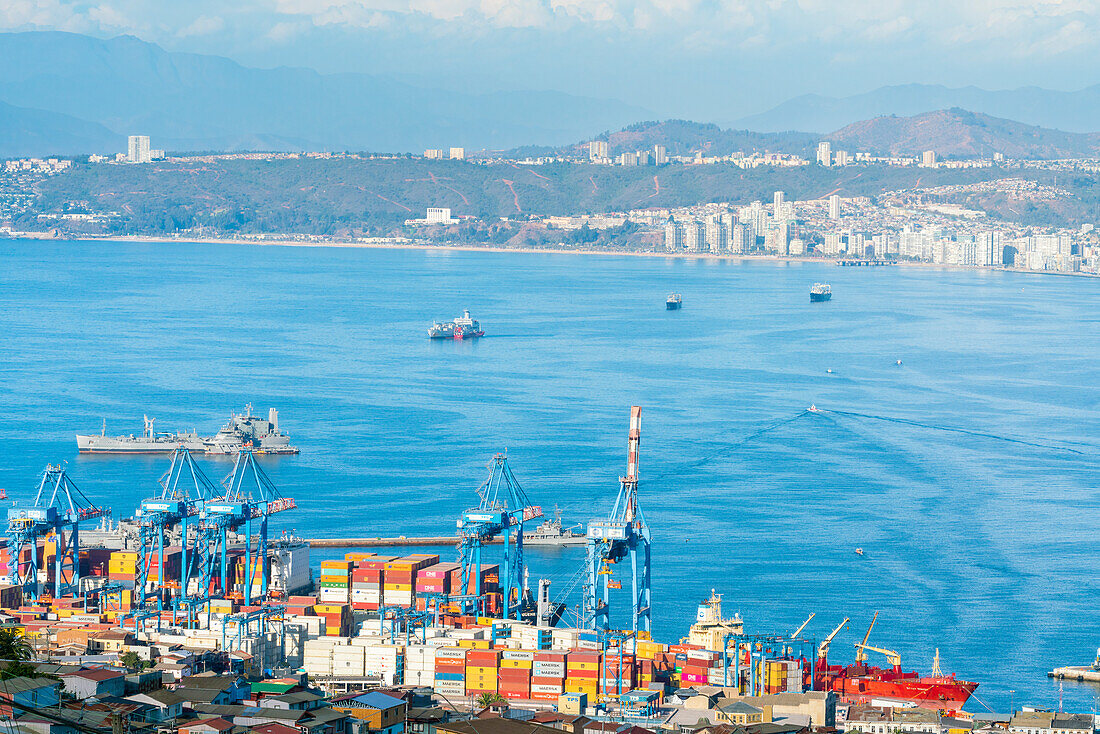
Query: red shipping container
550	657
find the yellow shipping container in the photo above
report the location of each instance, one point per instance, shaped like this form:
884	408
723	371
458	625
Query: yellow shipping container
522	664
333	580
329	608
397	587
582	666
581	685
483	671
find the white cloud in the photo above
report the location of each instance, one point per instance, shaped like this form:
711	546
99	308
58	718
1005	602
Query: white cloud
204	25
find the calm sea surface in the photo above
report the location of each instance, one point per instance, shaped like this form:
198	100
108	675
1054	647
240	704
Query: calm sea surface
980	541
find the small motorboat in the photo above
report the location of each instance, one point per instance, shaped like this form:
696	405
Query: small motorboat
859	551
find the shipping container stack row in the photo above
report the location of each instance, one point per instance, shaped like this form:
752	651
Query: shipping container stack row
369	582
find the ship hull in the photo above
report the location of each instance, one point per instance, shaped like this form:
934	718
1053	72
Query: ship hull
820	297
940	693
672	306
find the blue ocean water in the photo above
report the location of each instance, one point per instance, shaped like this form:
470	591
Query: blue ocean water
980	546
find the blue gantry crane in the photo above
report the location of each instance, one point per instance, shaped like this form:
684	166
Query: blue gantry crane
183	492
58	509
625	534
503	509
249	495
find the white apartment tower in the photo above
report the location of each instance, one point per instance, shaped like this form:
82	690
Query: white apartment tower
928	158
777	204
695	236
660	155
139	150
825	153
834	206
458	154
739	239
597	150
717	235
674	236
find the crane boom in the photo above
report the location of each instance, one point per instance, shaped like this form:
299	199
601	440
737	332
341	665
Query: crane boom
823	648
892	656
861	656
799	630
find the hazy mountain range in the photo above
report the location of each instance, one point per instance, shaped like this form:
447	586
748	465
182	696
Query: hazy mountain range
66	93
1074	111
197	102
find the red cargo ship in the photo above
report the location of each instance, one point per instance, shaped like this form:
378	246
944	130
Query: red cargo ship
864	684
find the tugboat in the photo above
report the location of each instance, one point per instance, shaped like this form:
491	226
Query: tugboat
673	302
461	328
821	292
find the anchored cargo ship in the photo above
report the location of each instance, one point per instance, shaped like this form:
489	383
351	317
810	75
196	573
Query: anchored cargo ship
243	430
867	684
463	327
821	292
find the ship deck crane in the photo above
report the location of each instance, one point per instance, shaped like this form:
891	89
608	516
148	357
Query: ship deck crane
625	534
58	509
184	490
798	631
823	648
503	510
231	511
892	657
861	656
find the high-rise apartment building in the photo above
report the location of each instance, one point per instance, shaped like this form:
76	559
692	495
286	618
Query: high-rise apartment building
139	150
928	158
777	204
717	234
834	206
695	237
597	150
458	154
825	153
674	236
660	155
739	239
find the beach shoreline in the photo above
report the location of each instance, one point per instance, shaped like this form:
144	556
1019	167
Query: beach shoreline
426	246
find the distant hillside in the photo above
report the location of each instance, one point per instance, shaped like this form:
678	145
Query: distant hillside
684	137
192	101
957	132
30	132
343	195
1076	111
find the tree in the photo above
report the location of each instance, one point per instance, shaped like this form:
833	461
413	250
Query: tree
133	661
487	699
13	645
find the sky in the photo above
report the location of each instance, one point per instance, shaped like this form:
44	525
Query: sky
713	59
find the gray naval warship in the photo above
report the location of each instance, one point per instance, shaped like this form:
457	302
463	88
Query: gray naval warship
243	430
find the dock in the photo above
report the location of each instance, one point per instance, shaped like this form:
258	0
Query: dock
384	542
1076	672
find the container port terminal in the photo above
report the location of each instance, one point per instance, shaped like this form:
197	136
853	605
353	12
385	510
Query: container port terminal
198	580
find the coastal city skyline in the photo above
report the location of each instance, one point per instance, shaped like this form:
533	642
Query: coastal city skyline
549	367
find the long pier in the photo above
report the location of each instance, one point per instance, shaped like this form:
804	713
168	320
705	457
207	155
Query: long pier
391	542
1076	672
428	540
385	542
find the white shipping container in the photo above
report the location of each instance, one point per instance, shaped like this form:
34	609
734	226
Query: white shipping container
545	688
453	653
547	668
